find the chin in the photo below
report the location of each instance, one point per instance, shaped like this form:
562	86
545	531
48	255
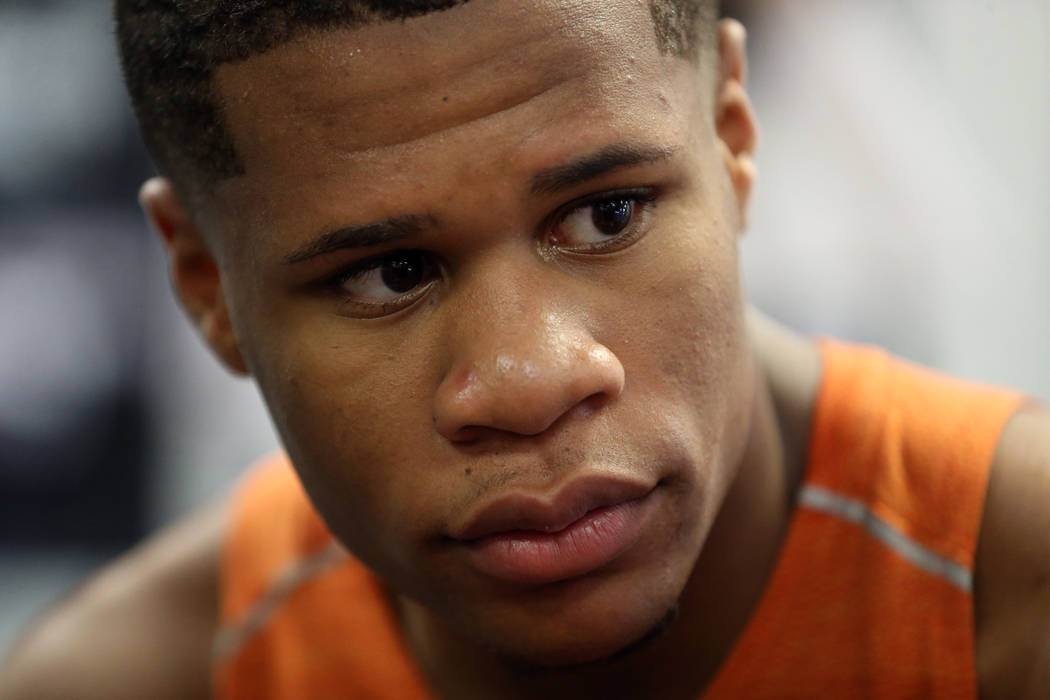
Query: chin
592	630
622	653
591	652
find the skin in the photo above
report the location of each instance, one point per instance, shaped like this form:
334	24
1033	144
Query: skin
520	363
508	375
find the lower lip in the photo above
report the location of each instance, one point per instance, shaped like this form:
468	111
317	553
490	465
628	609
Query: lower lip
533	558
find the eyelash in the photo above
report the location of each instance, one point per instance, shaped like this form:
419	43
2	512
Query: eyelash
643	197
361	268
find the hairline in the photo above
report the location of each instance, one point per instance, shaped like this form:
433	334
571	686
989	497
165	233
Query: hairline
194	179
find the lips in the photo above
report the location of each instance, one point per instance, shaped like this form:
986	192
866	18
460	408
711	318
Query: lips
527	539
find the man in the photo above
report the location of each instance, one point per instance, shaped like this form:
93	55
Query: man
481	258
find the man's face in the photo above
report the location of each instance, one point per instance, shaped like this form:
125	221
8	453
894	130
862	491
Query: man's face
483	267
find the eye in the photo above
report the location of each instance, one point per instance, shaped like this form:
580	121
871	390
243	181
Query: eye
388	279
612	221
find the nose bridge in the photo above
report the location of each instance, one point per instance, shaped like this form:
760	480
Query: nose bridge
520	357
511	332
515	322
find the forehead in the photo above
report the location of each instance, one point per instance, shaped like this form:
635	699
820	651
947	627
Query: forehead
498	85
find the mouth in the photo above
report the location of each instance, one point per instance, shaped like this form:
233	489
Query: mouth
534	540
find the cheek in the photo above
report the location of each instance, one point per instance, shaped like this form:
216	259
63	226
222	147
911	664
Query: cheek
690	315
689	353
355	420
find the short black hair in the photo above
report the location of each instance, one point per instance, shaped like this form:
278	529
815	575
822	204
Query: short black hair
170	49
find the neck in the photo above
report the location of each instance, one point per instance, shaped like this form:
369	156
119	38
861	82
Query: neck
730	574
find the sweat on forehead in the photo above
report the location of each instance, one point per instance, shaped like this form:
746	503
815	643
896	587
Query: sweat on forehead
170	50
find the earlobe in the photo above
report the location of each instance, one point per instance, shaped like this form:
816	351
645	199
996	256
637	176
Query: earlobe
735	120
194	273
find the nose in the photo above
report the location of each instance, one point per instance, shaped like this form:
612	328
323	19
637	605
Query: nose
520	370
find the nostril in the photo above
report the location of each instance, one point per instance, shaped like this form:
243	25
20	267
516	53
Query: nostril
468	433
527	392
522	418
592	403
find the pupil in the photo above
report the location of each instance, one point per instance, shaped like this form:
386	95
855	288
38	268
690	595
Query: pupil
612	216
403	272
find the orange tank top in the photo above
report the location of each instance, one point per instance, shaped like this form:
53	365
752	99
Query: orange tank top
871	596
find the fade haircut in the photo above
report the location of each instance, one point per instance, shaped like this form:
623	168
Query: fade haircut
170	49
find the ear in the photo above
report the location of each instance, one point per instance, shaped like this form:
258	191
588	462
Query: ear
735	121
194	272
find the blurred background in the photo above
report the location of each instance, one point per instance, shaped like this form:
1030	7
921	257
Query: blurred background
904	199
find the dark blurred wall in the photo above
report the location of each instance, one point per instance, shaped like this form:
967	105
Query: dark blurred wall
75	443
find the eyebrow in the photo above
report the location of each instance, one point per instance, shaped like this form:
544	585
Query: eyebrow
362	236
548	181
612	157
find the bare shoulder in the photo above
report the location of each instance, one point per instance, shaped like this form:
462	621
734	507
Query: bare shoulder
141	627
1012	577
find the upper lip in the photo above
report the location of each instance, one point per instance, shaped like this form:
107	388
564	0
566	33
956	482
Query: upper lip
549	512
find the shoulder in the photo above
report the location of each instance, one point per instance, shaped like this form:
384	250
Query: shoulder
142	627
1012	574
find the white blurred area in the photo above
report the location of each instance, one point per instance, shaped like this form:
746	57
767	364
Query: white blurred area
904	178
903	199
